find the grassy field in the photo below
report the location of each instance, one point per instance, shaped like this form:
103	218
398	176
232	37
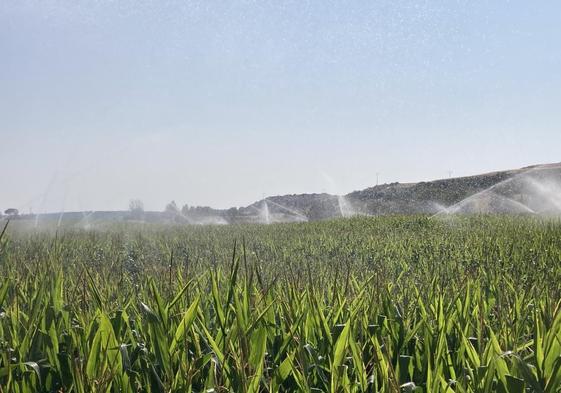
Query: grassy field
366	304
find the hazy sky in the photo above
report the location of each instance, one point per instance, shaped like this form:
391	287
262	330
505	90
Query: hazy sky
217	103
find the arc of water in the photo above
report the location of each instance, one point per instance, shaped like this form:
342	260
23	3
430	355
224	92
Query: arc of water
85	217
295	212
455	207
552	195
266	213
263	212
60	219
344	207
519	204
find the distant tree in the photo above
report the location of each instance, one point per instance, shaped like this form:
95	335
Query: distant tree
185	209
136	208
11	212
172	209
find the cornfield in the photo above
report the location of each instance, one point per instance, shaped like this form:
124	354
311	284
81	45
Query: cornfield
385	304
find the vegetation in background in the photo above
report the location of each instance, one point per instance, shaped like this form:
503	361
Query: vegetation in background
383	304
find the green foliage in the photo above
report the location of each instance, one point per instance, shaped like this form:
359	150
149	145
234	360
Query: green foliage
386	304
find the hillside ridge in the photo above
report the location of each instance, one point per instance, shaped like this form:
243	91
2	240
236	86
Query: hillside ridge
508	191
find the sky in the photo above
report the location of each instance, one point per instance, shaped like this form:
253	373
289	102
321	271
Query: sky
221	102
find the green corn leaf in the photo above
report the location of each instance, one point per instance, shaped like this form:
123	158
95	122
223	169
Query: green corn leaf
185	324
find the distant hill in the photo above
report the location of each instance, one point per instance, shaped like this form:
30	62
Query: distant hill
530	190
434	196
535	189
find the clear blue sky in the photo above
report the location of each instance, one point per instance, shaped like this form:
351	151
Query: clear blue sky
217	103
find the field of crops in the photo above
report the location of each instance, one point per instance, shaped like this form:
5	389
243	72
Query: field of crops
359	305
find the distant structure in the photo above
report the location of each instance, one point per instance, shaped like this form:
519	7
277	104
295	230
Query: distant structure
11	212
